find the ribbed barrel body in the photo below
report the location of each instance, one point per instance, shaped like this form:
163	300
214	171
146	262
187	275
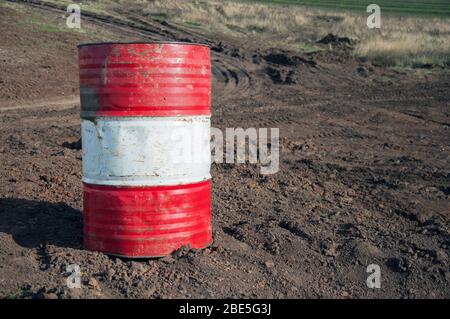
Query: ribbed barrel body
145	110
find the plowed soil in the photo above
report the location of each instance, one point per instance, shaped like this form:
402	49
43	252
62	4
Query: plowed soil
364	174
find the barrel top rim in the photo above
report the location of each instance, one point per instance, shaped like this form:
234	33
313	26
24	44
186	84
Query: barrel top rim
143	42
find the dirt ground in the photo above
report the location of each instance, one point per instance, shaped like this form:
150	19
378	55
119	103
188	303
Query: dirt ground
364	174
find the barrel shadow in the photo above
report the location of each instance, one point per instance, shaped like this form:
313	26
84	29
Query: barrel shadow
34	223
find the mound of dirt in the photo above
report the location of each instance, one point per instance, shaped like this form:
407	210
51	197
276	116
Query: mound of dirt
280	76
287	59
73	145
282	67
333	39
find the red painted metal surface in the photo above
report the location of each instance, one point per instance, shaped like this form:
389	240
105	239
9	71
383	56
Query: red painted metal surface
147	221
145	79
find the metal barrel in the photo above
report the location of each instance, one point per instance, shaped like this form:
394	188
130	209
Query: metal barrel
145	126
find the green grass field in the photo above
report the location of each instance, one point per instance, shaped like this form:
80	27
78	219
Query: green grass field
436	8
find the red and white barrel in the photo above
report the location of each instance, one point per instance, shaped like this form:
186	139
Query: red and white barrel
145	109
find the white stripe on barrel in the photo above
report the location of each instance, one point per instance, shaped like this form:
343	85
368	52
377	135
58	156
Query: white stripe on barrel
146	151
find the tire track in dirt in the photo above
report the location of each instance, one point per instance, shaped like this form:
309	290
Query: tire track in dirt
230	76
57	104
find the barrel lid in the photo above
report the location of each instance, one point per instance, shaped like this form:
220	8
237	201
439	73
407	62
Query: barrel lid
143	42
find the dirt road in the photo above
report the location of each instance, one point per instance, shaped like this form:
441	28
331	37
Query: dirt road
364	176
